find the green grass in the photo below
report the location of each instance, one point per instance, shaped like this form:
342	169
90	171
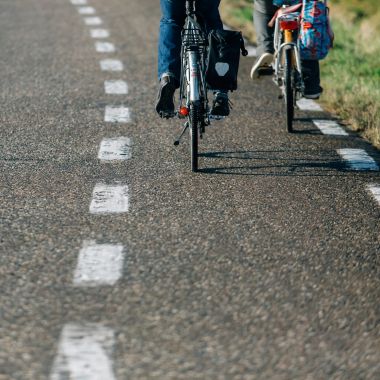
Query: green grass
351	72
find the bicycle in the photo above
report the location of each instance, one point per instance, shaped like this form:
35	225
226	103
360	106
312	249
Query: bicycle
193	102
287	62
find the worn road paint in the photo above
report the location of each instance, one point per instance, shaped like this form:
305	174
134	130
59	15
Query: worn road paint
358	159
115	149
78	2
117	114
375	191
86	10
104	47
99	264
116	87
93	21
309	105
111	65
330	127
109	199
84	353
99	33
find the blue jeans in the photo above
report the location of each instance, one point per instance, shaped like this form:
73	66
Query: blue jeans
173	18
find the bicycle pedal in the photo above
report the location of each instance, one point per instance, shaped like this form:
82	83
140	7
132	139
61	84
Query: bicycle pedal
265	71
216	117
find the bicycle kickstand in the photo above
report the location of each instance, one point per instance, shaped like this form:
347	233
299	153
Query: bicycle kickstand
176	142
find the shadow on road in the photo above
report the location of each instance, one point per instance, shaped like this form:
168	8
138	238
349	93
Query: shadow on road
275	163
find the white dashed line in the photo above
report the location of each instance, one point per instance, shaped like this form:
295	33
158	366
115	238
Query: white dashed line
330	127
84	353
78	2
99	264
115	149
86	10
375	191
117	115
99	33
93	21
111	65
358	159
116	87
109	199
104	47
309	105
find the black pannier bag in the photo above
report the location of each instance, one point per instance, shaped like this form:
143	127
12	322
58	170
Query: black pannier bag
223	59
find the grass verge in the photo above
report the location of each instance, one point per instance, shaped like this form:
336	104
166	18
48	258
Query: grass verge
351	72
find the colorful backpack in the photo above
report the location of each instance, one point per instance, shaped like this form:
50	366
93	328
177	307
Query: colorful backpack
316	36
280	3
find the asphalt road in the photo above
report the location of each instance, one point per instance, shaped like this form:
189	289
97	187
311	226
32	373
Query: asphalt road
265	265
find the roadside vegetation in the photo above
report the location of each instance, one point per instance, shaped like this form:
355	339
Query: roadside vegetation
351	72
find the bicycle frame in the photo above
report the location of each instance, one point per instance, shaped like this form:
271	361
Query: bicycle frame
281	44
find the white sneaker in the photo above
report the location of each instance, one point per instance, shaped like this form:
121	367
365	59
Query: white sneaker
264	61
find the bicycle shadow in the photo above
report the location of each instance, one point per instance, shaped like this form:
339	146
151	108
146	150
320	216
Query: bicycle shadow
274	163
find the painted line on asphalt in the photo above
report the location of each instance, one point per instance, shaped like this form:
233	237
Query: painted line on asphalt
309	105
111	65
117	114
358	159
109	199
78	2
99	264
99	33
375	191
330	127
86	10
105	47
84	352
93	21
116	87
115	149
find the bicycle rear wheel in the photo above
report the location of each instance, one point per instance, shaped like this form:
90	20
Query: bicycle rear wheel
289	90
194	120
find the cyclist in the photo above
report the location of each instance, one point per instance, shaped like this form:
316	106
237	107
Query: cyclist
264	10
169	53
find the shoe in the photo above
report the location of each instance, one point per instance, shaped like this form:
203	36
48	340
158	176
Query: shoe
312	92
220	105
263	63
165	97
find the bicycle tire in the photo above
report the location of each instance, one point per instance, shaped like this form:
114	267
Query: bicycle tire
194	134
289	90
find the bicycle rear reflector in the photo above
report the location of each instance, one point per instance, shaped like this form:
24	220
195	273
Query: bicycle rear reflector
289	24
183	111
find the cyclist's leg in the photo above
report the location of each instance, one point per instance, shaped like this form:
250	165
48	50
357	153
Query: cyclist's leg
169	46
210	14
311	77
262	14
169	54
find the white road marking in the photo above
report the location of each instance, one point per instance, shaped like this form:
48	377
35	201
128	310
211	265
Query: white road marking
86	10
99	33
84	353
330	127
109	199
99	264
116	87
104	47
115	149
78	2
117	115
358	159
375	190
111	65
309	105
93	21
